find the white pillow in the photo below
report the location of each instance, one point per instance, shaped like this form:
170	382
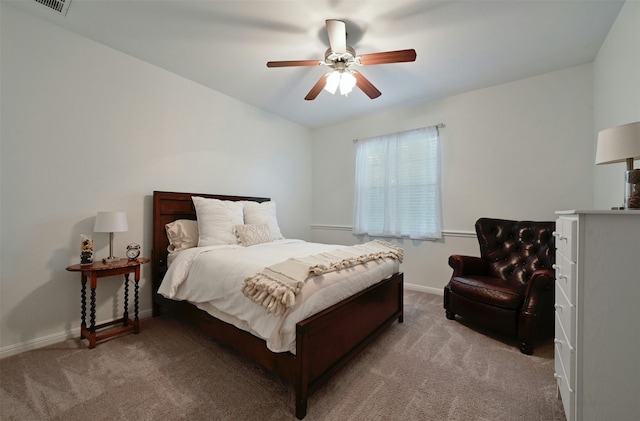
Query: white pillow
182	234
252	234
216	219
263	213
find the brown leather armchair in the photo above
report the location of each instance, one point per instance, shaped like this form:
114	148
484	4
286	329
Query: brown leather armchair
510	288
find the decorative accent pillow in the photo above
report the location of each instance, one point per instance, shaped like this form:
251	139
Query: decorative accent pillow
216	219
182	234
252	234
263	213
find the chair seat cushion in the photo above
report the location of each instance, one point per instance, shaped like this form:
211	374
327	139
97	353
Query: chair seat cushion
488	290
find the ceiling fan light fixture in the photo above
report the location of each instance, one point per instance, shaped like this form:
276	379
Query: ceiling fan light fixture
340	78
347	82
333	80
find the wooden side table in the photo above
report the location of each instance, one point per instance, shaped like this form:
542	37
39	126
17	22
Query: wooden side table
100	270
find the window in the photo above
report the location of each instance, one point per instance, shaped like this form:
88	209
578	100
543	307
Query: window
397	186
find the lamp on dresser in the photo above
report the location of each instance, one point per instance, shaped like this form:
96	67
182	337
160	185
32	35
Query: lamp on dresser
111	222
622	144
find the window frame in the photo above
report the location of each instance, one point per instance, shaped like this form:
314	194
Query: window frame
397	185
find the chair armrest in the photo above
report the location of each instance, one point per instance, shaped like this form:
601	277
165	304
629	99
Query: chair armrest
468	265
540	291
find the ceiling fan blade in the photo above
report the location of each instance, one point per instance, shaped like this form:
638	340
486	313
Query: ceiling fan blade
337	31
366	86
399	56
317	88
291	63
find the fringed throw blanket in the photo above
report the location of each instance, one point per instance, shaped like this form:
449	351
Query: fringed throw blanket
276	286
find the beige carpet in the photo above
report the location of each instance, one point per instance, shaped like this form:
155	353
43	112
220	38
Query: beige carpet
428	368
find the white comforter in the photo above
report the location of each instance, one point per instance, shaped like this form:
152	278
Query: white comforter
211	278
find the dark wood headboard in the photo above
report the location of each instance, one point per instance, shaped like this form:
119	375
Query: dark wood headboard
168	207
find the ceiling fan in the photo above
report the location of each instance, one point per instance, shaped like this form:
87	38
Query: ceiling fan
342	59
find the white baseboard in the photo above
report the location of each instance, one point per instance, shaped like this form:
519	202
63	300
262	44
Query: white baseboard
51	339
420	288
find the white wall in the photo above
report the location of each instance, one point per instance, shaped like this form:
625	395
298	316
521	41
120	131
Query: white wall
86	128
520	151
617	96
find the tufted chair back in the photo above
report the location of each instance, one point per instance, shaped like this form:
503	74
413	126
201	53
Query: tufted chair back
515	249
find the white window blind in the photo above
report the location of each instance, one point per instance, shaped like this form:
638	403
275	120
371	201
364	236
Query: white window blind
397	185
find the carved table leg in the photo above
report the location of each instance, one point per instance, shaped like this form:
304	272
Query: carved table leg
136	328
92	313
83	306
126	299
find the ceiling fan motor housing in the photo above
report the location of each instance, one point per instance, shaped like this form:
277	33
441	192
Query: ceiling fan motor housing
340	61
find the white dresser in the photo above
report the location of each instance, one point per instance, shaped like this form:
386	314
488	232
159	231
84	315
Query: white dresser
597	334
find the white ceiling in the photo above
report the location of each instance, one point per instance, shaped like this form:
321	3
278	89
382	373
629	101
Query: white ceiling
460	45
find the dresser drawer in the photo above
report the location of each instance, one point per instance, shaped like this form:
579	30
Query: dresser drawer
566	353
567	393
566	276
566	237
566	313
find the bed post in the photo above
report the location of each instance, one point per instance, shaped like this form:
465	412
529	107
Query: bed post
302	390
302	377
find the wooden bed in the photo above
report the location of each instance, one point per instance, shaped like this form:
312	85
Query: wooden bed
324	342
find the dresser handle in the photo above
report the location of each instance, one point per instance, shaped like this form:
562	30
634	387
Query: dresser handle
561	276
559	377
558	307
554	266
559	343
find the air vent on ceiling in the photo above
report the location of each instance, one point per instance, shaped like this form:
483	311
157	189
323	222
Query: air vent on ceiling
60	6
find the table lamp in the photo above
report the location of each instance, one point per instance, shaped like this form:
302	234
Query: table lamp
111	222
622	144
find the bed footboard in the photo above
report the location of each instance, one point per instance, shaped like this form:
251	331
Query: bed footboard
328	340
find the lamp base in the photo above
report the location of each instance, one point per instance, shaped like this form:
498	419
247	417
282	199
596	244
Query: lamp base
110	259
632	189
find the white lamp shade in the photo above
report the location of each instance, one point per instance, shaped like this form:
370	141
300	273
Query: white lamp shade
618	144
111	222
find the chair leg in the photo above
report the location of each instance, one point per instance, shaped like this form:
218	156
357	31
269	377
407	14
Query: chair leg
450	315
526	348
